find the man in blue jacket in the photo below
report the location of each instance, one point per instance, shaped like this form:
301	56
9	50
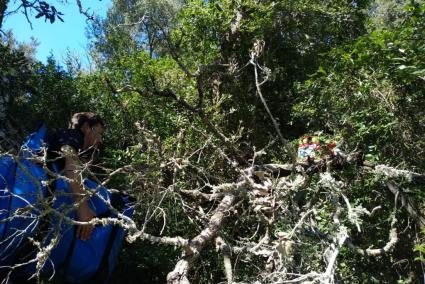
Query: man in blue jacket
69	149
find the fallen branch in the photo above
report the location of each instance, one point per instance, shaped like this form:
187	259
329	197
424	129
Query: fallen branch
407	202
180	272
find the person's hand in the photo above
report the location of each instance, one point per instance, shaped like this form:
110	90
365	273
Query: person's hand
85	214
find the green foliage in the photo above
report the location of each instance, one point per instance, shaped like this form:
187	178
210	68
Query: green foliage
420	249
53	89
371	91
144	263
15	74
219	36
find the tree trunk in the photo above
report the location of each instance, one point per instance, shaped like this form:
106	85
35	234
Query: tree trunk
3	7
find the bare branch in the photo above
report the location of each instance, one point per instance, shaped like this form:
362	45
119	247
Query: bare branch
257	50
180	273
408	203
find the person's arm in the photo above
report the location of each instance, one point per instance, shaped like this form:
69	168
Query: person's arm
72	171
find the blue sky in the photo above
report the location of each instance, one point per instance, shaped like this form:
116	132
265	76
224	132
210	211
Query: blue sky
56	38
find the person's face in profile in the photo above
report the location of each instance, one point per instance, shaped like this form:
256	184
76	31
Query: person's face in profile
92	135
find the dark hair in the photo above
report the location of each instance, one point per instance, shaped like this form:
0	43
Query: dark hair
79	118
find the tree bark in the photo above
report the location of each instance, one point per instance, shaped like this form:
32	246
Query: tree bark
3	7
180	272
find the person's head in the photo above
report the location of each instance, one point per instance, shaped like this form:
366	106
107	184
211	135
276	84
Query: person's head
91	125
